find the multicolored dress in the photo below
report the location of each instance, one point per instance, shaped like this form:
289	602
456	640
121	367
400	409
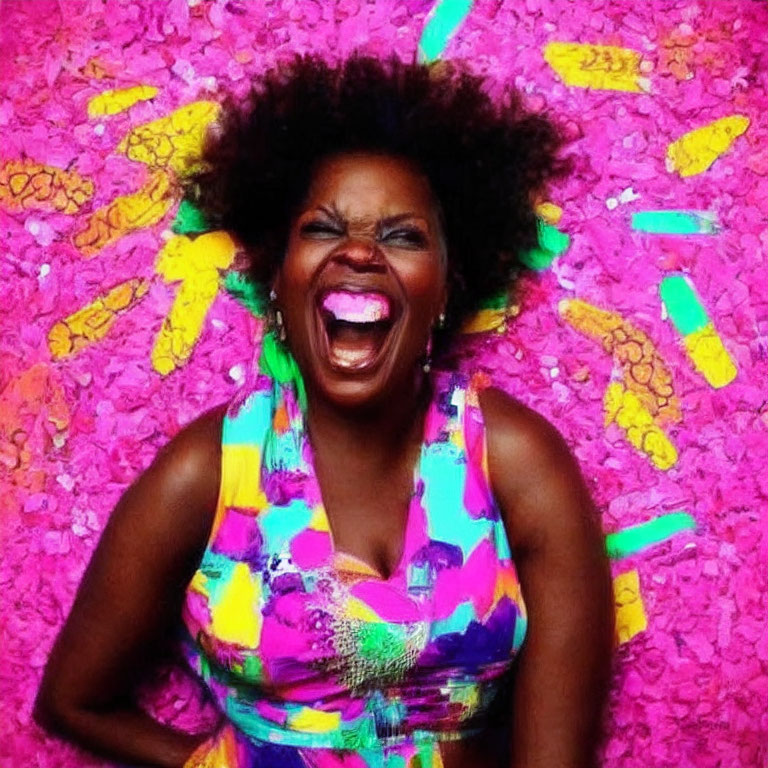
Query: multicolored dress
314	658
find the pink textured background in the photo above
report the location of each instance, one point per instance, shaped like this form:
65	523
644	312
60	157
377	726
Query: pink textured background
692	690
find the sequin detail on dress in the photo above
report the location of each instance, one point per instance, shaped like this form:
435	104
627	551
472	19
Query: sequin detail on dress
316	660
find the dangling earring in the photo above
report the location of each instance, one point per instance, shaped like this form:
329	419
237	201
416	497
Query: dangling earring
427	364
440	324
275	317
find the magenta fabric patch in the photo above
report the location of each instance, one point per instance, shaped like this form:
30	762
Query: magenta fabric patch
658	384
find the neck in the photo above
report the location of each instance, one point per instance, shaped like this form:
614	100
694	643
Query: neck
380	432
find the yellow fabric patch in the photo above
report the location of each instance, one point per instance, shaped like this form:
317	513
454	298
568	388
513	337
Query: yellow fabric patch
174	141
198	583
696	150
27	185
236	617
626	409
709	356
196	263
239	482
319	520
125	214
603	67
308	720
357	609
630	611
93	321
112	102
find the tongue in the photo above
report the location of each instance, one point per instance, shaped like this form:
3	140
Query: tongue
357	307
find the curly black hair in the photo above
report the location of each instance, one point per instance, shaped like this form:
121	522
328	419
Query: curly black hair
486	160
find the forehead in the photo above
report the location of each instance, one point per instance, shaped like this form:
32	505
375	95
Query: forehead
361	184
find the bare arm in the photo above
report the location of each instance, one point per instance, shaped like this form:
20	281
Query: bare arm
129	598
564	666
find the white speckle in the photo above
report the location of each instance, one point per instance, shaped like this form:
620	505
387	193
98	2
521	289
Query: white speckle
99	129
554	372
67	482
45	270
628	195
236	373
59	439
219	325
611	203
33	227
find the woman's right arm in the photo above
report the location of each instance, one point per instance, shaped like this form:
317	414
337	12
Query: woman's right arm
129	599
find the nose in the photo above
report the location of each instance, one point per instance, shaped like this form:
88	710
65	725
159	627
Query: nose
360	253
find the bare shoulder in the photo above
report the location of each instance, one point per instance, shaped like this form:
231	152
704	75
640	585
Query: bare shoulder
534	475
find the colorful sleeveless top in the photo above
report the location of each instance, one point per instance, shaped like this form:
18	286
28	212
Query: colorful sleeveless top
314	658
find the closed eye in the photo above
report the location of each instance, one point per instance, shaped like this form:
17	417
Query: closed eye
408	236
321	230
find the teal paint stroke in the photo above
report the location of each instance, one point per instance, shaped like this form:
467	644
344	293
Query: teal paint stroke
444	19
552	242
675	222
638	537
683	306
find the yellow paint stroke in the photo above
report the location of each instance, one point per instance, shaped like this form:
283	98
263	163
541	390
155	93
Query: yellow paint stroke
174	141
236	616
709	356
309	720
125	214
550	212
486	320
196	263
630	611
627	410
644	371
114	101
603	67
27	185
92	322
696	150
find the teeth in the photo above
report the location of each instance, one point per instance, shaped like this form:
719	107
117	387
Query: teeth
350	358
356	307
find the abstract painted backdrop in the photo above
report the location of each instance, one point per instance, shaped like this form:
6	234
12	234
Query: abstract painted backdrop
642	333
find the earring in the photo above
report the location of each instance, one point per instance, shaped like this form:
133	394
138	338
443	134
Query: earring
427	364
440	324
275	317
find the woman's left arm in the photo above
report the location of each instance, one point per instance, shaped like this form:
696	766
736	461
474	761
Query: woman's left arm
559	552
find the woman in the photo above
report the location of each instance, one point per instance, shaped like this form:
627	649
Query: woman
338	540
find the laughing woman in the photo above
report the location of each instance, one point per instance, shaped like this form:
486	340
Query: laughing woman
375	560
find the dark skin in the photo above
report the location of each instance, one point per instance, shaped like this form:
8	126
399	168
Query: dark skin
370	222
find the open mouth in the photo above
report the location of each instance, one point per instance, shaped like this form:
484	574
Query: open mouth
357	326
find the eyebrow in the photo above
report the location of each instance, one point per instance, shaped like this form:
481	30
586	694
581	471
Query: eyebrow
334	213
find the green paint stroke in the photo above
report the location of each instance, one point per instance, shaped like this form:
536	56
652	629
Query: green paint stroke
675	222
189	220
444	19
552	242
638	537
252	296
683	306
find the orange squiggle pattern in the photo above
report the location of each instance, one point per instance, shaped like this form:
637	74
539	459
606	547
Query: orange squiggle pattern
27	185
92	322
644	371
126	214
